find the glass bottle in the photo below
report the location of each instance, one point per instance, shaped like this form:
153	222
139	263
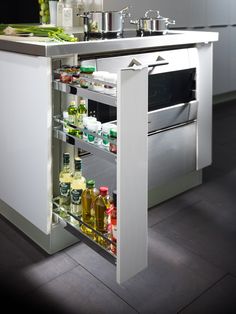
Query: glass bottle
65	178
78	185
81	113
60	6
88	197
102	215
44	15
72	116
114	222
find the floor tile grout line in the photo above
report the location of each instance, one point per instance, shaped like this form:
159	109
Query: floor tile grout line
203	292
176	212
105	285
47	282
194	252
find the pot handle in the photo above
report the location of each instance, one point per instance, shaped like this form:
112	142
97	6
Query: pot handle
170	22
134	22
147	13
125	12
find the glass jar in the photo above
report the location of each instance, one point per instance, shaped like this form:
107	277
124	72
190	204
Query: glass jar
44	15
86	73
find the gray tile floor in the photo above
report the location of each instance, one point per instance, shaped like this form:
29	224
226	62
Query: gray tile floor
192	253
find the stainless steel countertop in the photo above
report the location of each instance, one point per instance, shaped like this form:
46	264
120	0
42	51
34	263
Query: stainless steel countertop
43	47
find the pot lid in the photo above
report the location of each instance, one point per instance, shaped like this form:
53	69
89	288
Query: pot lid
156	15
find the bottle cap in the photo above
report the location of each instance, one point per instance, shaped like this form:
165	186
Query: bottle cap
103	190
90	183
113	133
87	69
72	103
78	163
66	158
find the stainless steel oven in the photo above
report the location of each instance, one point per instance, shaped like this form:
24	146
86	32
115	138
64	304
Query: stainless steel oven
172	110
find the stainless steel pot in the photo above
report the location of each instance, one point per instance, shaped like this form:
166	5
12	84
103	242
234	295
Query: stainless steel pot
156	24
103	22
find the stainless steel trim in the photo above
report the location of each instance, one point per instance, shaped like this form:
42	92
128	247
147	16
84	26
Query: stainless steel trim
99	47
94	149
84	92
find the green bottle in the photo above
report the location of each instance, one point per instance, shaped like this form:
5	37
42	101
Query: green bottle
72	116
81	113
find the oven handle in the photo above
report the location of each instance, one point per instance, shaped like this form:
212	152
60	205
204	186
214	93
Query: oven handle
158	64
160	61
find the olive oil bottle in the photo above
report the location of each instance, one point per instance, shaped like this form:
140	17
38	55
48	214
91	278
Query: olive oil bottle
65	178
78	185
102	214
88	197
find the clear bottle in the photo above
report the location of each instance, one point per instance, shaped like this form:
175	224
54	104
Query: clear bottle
44	14
114	222
88	197
65	178
72	116
81	113
60	6
67	15
102	215
78	185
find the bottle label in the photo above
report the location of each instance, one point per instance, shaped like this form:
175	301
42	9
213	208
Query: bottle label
64	189
71	119
80	119
114	231
76	196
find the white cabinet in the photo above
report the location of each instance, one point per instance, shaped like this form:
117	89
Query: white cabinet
25	137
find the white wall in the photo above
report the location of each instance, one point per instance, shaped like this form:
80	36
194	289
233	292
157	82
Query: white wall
208	15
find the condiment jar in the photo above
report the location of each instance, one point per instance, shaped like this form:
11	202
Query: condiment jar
110	88
113	136
86	73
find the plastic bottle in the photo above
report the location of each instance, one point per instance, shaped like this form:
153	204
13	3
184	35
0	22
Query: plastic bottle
88	197
102	216
114	222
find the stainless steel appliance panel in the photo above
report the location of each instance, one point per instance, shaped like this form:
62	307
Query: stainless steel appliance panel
171	154
166	117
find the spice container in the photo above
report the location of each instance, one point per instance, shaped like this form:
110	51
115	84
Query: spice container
113	136
98	75
86	73
86	120
110	88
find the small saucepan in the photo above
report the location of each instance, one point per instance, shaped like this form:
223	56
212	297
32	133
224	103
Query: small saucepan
104	22
155	25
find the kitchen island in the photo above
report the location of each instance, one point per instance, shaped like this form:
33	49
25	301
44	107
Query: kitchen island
150	168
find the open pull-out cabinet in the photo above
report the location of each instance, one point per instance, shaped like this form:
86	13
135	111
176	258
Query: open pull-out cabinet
27	158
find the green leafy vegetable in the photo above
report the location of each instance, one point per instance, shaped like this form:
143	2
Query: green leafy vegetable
53	32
